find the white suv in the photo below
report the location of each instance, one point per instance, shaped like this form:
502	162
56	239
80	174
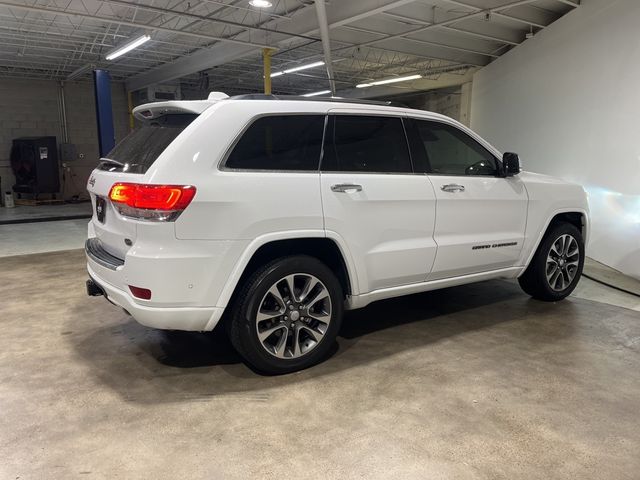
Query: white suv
275	214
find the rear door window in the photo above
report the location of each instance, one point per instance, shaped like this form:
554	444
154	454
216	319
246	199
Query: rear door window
138	150
361	143
280	142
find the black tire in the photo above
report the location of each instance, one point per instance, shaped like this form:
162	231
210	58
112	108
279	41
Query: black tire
243	327
534	280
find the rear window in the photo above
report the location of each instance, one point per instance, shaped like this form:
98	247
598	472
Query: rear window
280	142
137	152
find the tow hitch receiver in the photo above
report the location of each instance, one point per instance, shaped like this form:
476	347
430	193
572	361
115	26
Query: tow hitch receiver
93	289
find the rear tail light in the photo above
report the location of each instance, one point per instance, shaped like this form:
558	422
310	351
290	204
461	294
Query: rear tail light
158	203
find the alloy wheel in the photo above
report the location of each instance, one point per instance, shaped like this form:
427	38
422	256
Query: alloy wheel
562	262
293	316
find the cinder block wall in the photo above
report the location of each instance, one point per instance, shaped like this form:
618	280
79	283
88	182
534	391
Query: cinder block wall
30	108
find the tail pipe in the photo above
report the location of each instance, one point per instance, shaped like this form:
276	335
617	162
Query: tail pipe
93	289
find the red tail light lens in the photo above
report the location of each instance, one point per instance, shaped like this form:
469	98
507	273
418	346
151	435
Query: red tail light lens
138	292
154	197
151	202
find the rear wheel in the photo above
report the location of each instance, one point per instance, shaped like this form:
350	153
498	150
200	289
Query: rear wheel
287	315
556	266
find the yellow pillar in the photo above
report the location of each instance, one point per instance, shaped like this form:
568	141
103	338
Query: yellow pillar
266	61
130	103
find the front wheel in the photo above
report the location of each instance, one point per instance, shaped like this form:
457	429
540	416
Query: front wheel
556	266
287	315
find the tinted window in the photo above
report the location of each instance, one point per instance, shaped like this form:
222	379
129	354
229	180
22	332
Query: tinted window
138	150
452	152
358	143
284	142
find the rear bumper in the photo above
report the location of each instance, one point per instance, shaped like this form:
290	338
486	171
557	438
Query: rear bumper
186	277
95	252
166	318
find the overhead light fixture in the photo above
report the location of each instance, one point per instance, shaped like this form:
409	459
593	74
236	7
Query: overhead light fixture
78	72
297	69
260	3
389	80
127	47
315	94
304	67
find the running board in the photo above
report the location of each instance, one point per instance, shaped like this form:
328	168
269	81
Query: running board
364	299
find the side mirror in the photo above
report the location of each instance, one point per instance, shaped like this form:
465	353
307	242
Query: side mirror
510	164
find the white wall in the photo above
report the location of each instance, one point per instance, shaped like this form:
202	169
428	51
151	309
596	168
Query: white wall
568	101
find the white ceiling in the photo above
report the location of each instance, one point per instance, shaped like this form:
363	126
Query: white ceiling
216	44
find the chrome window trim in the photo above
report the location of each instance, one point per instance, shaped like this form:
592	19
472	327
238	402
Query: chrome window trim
221	166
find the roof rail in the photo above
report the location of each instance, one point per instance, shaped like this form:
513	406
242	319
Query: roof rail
262	96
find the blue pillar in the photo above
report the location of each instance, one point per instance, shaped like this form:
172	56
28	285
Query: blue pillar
104	114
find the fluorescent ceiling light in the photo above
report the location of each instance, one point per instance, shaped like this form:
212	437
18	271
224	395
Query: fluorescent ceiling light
80	71
127	47
313	94
304	67
389	80
297	69
260	3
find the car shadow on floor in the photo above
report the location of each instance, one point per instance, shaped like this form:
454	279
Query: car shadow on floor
192	349
150	366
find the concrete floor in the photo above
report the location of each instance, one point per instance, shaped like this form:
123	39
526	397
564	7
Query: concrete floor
474	382
25	238
590	290
27	213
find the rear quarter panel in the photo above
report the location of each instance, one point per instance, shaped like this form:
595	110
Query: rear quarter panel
237	205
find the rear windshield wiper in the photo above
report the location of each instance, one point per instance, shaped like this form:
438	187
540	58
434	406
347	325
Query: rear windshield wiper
115	165
111	165
110	160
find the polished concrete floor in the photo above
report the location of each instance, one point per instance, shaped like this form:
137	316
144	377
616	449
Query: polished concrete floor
473	382
28	213
26	238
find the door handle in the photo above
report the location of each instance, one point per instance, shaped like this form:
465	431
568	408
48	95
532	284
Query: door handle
346	187
452	187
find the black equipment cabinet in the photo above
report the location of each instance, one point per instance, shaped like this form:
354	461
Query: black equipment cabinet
34	161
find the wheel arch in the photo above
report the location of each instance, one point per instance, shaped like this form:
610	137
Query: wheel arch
314	244
575	216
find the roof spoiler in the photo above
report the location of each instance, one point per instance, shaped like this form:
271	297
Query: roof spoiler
149	111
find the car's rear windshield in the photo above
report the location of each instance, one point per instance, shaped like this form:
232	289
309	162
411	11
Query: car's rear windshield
138	150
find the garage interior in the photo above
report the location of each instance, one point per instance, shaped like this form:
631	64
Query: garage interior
475	381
